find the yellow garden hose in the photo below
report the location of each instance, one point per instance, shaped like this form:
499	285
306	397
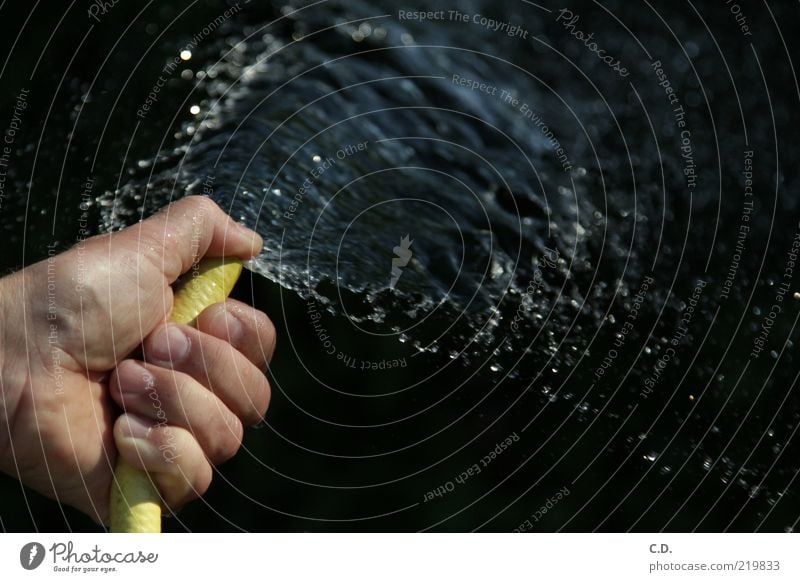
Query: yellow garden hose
135	502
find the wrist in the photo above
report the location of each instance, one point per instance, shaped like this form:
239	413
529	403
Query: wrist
9	391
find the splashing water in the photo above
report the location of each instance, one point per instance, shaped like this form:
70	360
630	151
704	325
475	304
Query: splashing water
486	208
334	158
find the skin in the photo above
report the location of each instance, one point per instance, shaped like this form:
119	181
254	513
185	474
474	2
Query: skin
186	392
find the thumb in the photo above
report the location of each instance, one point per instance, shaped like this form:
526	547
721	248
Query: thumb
185	231
125	290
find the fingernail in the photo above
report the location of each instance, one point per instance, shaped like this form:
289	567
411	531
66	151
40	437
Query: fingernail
169	345
227	325
138	378
133	441
132	427
253	238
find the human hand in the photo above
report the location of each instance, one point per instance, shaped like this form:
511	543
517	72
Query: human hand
69	326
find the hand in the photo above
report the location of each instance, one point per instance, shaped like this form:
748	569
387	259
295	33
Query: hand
69	326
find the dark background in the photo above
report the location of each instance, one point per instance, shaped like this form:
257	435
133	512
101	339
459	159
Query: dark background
731	450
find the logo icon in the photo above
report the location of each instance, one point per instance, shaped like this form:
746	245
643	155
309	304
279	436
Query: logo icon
403	255
31	555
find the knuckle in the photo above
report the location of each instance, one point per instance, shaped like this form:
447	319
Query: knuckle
130	385
204	207
227	441
61	453
161	437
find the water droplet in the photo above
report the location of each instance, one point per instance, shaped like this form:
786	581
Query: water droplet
707	462
186	54
651	456
194	109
